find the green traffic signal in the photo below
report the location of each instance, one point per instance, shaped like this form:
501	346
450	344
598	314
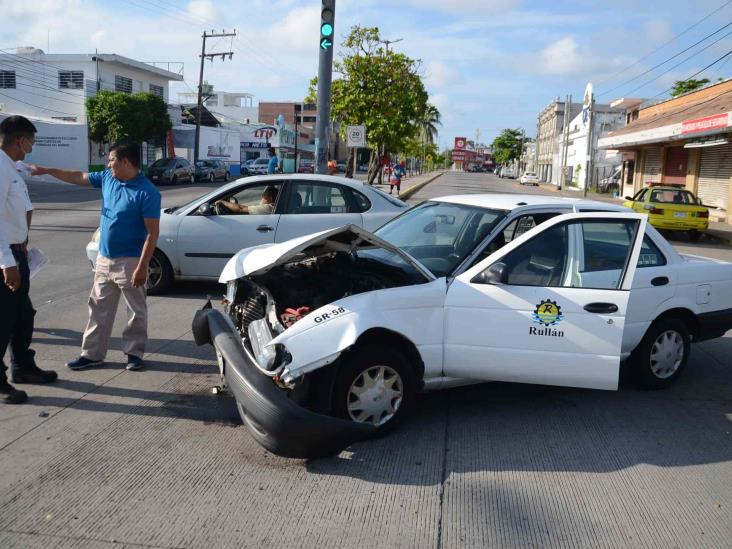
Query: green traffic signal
326	29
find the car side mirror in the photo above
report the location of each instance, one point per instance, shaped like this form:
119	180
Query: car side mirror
495	274
628	198
205	209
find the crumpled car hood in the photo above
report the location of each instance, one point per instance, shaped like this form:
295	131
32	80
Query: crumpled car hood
258	260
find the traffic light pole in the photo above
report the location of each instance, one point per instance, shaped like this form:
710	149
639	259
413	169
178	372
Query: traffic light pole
325	75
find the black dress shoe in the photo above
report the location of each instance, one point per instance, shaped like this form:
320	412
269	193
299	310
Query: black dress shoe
34	374
11	395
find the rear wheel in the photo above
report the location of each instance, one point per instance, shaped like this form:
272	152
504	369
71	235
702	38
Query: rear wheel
159	273
663	353
694	236
375	386
174	180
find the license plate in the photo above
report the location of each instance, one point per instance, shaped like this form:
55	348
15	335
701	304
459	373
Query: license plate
679	214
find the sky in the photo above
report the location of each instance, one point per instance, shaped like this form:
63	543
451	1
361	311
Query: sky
487	64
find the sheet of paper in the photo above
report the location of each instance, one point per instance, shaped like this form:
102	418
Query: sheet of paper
36	261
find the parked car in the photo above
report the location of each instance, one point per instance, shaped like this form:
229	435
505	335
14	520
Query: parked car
198	238
507	173
458	290
671	208
259	166
611	183
341	166
306	166
171	170
529	178
212	170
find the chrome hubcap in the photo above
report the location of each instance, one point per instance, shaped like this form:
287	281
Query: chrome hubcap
375	395
154	272
667	354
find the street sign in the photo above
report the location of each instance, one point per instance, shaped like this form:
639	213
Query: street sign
356	136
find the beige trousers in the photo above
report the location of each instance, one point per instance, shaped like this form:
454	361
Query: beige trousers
112	278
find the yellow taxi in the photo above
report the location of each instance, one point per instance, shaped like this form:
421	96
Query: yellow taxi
671	208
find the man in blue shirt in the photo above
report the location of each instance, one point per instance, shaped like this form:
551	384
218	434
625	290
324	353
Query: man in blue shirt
129	227
273	161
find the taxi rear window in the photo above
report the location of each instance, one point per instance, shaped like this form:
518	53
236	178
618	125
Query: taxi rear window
672	196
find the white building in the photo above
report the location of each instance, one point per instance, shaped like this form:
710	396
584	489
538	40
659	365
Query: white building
51	90
226	106
55	86
605	119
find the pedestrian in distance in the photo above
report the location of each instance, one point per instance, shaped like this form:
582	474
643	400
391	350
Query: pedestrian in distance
17	137
129	228
274	162
396	177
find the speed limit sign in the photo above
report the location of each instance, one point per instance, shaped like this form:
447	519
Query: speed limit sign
356	136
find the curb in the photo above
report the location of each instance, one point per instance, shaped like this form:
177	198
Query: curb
722	236
414	188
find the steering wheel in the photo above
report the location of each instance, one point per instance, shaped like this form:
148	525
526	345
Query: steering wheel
219	209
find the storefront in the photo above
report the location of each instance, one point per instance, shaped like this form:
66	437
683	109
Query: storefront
685	141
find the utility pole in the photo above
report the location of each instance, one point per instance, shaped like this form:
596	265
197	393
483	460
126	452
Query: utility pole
565	139
590	145
199	103
521	152
297	135
325	75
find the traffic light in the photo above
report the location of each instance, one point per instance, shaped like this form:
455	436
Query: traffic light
326	25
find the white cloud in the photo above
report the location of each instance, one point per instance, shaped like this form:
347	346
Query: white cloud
477	6
299	29
202	9
658	30
562	57
439	75
97	38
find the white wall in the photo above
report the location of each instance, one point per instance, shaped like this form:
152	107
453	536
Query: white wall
59	145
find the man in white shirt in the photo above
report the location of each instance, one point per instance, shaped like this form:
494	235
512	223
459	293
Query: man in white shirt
17	137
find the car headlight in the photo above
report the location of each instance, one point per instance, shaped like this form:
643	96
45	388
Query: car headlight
230	291
95	237
270	358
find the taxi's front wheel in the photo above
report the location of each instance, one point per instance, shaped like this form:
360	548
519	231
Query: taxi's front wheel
663	353
375	386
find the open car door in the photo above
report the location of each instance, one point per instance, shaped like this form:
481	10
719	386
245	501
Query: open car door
549	307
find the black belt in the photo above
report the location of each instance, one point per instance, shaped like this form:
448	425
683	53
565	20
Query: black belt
16	247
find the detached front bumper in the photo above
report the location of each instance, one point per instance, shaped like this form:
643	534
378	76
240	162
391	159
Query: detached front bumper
275	421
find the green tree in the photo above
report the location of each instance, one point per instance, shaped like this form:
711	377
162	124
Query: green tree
506	146
116	116
379	89
684	86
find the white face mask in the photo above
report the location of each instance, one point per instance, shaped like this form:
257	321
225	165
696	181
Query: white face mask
28	151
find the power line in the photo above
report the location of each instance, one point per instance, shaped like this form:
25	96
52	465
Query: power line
666	43
698	72
667	60
677	65
39	107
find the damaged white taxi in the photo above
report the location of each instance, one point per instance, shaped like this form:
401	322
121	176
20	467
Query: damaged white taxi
325	339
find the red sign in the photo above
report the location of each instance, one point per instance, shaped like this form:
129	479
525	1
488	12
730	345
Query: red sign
460	143
705	124
458	156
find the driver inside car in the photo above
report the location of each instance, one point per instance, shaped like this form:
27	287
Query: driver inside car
266	204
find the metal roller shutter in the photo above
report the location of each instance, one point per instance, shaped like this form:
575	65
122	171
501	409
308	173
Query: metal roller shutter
714	175
652	166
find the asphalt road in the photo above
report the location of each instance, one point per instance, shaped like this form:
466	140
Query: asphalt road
109	458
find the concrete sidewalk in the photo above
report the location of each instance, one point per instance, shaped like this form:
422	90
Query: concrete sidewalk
717	230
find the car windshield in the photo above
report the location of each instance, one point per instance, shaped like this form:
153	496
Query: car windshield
163	162
440	235
201	164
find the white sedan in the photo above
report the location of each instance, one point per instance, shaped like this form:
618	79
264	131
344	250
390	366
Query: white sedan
329	336
197	239
529	178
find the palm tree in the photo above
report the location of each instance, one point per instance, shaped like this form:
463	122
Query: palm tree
427	127
428	123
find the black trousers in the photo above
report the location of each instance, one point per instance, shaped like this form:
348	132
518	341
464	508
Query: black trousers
16	319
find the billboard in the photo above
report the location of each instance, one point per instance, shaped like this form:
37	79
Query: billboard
460	143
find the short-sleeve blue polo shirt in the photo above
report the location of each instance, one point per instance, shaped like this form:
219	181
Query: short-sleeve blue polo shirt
125	205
